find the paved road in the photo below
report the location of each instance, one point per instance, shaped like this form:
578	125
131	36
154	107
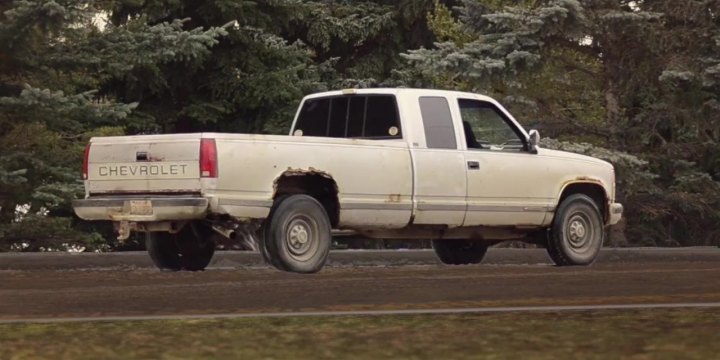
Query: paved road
344	258
40	286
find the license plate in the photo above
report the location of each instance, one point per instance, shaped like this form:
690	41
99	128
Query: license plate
141	207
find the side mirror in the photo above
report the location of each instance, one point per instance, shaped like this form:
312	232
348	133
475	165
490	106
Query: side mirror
533	141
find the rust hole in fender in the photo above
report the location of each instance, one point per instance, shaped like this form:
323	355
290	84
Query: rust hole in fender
313	182
290	172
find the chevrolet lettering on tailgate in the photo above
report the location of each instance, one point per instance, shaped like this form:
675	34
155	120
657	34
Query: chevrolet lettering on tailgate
141	170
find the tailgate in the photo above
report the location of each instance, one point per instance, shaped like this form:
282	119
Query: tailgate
144	164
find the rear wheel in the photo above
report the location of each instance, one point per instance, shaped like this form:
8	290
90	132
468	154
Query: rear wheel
577	232
267	251
459	252
270	258
189	249
163	251
297	235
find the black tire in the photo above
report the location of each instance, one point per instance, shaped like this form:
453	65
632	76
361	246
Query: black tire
577	232
265	251
268	253
163	251
189	249
297	235
459	252
196	246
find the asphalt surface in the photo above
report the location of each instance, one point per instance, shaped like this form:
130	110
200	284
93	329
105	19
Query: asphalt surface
348	258
41	286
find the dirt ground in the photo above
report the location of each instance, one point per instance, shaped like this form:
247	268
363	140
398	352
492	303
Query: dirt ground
679	277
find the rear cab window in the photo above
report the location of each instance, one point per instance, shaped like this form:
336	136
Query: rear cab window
371	116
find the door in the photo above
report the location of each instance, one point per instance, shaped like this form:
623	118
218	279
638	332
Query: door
439	167
506	184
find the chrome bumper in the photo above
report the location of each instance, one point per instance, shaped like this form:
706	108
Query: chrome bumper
141	209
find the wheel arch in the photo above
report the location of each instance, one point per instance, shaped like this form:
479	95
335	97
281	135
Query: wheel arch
318	184
594	189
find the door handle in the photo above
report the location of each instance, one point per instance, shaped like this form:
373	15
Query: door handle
473	165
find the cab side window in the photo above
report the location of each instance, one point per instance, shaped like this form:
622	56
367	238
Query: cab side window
486	127
358	116
314	118
437	122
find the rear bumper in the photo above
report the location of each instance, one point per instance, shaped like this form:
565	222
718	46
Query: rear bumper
141	208
616	211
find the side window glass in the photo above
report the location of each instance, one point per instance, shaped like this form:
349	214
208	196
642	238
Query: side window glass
338	114
437	122
381	119
367	117
313	118
356	117
486	127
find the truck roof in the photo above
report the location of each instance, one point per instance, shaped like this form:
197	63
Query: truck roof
400	91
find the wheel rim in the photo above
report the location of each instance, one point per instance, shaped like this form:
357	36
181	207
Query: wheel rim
580	233
301	237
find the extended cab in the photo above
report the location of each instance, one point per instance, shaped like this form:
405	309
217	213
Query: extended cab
448	166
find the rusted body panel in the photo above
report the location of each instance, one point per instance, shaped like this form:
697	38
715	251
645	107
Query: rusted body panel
366	173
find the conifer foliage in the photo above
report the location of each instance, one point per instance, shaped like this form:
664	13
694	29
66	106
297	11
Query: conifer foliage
636	77
634	82
60	64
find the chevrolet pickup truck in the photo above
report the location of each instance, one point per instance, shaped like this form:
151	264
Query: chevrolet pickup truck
452	167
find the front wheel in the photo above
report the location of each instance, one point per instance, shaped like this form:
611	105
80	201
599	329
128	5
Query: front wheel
459	252
297	235
577	232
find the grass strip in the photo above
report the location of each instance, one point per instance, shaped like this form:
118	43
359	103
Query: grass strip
637	334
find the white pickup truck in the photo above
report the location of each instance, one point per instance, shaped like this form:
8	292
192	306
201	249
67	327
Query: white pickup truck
448	166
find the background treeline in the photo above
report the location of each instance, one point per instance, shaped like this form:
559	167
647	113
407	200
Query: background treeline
634	82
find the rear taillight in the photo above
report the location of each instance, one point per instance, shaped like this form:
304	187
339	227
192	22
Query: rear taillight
86	158
208	158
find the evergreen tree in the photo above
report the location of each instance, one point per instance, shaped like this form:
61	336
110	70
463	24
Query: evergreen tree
58	61
72	69
633	76
605	78
275	53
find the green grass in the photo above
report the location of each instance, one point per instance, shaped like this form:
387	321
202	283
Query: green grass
637	334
